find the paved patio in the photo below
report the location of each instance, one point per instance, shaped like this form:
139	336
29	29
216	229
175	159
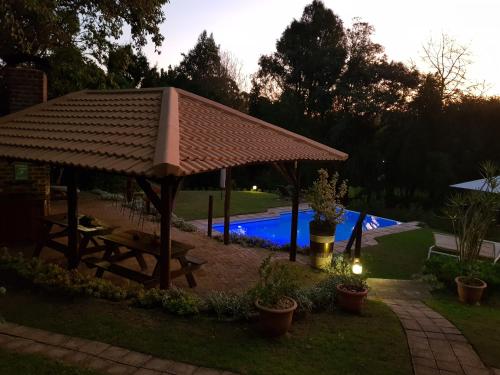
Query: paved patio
231	268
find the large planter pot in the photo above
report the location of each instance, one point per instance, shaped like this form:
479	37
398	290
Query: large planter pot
322	238
350	301
275	322
470	290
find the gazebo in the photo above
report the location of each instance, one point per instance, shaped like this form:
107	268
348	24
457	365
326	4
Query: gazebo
153	135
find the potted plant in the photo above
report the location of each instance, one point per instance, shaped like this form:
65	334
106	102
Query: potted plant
472	214
325	198
351	294
271	298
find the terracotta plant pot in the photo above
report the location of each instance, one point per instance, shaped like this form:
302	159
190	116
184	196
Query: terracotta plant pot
470	292
350	301
275	322
322	239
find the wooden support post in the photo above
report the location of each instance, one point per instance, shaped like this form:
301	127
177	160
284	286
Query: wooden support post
164	205
227	204
72	206
210	214
167	197
295	212
128	190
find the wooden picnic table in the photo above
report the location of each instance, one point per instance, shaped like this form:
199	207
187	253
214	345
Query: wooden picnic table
87	235
137	243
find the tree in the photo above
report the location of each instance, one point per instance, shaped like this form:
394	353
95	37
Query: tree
68	71
126	68
30	30
202	72
308	61
449	62
370	84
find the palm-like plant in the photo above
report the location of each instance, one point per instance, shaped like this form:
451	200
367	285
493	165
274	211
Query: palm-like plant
472	214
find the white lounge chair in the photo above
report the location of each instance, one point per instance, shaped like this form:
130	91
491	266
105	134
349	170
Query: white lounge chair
445	244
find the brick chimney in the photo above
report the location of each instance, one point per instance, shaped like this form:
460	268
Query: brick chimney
25	87
24	187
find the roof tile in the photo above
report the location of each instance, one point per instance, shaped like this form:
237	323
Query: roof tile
118	131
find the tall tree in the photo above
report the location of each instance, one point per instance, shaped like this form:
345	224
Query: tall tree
30	30
308	61
370	84
125	67
202	71
449	61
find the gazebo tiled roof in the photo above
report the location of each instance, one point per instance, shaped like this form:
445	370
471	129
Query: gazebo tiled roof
149	132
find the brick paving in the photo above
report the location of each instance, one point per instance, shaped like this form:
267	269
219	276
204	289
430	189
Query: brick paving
94	355
437	347
231	268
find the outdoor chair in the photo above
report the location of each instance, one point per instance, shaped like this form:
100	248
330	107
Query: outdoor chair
445	244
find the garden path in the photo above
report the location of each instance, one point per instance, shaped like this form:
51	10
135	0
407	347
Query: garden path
94	355
437	347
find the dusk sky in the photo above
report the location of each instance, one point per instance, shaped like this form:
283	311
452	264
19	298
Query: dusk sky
249	29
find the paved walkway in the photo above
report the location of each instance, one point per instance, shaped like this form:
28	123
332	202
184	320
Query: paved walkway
437	347
94	355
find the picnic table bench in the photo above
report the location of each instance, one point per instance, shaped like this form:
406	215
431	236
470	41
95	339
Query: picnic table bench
136	244
87	235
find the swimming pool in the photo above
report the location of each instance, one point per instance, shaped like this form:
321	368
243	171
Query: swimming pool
277	229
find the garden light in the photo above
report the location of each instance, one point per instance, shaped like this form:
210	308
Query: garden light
254	188
357	268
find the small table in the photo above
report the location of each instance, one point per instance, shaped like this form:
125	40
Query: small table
87	235
138	243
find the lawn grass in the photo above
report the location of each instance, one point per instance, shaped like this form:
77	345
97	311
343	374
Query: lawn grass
480	324
30	364
193	204
318	344
397	256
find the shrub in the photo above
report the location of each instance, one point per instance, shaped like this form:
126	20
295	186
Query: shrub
326	196
227	306
183	225
251	241
178	302
445	269
472	214
52	277
275	283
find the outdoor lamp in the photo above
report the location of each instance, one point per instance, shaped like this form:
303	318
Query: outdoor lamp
357	268
254	188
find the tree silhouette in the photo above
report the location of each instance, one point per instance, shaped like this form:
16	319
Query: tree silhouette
31	30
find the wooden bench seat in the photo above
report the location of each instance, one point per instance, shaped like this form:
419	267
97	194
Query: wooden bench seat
118	270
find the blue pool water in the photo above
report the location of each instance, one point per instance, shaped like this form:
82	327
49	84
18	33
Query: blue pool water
277	229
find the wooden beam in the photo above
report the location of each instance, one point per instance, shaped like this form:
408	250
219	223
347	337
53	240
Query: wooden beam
294	175
150	193
227	204
285	170
72	208
356	235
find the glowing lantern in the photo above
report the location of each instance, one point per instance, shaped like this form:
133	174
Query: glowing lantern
357	268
